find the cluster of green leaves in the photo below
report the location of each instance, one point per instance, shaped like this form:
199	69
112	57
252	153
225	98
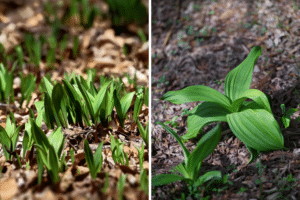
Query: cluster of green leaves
117	151
9	136
94	162
28	86
286	115
49	151
251	121
6	83
121	12
74	101
189	169
81	9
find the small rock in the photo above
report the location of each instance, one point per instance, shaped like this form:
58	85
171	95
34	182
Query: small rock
296	152
256	69
269	43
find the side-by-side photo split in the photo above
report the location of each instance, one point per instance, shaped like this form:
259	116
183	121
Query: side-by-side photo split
225	99
149	99
74	99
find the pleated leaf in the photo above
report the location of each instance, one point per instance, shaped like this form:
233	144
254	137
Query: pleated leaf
202	114
164	179
239	79
257	129
197	93
257	96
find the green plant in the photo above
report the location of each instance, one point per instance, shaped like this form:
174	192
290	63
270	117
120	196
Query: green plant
34	49
286	118
121	185
172	122
144	181
48	151
75	50
251	121
55	104
94	162
6	83
190	168
142	35
72	155
122	15
117	151
20	55
9	136
122	105
141	153
144	132
28	86
88	14
106	184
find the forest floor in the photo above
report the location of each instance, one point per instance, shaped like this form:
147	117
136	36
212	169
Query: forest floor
100	48
199	42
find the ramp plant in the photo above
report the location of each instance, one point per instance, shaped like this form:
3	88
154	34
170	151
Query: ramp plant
94	162
190	168
9	136
251	121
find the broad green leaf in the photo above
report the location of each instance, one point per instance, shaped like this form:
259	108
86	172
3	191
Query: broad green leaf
89	159
239	79
182	170
98	157
25	143
208	176
39	136
49	112
5	141
86	99
164	179
138	105
123	105
197	93
40	167
184	149
256	95
43	155
126	102
56	139
15	136
10	127
58	99
47	86
205	146
41	112
144	132
202	114
54	165
257	129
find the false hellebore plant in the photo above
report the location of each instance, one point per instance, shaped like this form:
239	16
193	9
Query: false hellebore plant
251	121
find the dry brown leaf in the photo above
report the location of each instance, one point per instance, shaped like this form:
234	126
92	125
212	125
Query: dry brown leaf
8	188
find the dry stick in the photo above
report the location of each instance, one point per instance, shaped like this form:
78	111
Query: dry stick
174	22
168	36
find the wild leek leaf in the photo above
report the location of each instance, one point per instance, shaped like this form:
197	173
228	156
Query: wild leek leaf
94	163
123	105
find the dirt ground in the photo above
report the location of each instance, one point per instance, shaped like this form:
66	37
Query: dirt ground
101	48
199	42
